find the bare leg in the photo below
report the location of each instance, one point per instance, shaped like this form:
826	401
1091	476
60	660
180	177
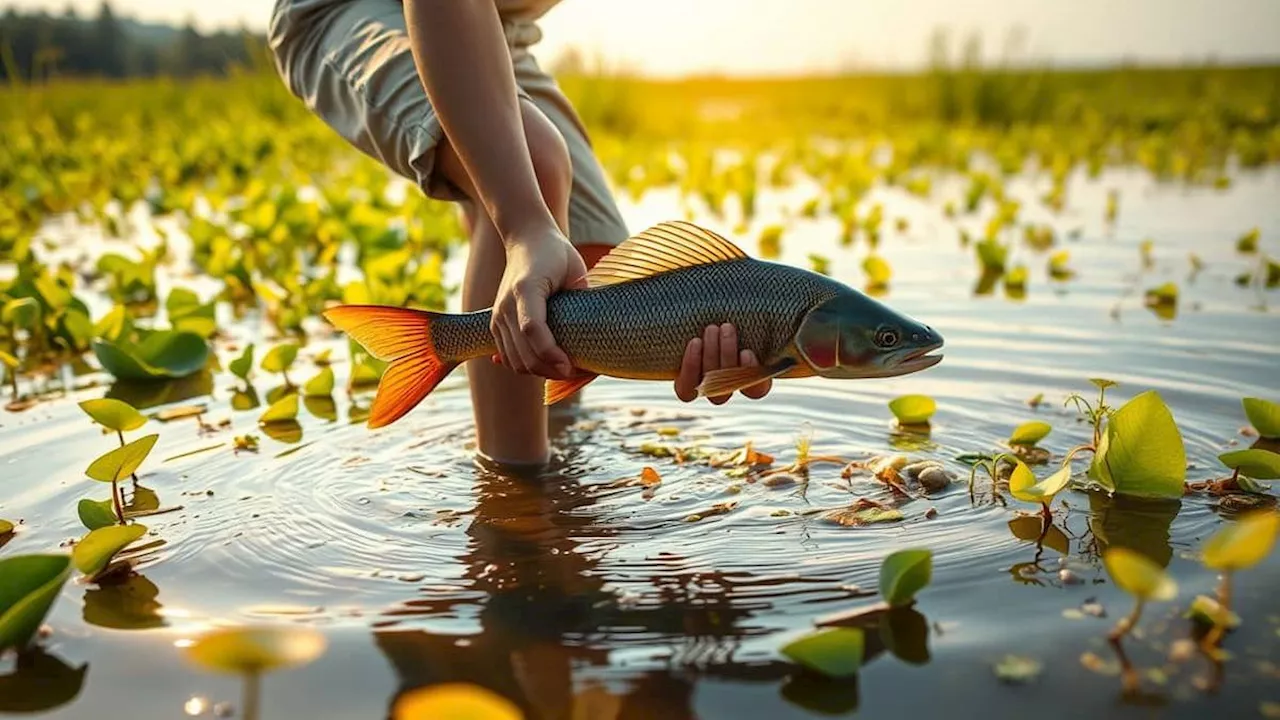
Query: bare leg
511	421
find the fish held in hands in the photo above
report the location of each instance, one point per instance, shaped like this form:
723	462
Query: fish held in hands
645	299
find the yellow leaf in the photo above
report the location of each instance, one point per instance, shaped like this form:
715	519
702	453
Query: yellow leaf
1139	576
454	701
1023	485
1244	543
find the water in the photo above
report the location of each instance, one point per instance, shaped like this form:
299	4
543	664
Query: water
580	597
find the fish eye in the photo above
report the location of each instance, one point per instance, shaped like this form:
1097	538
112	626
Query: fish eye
887	337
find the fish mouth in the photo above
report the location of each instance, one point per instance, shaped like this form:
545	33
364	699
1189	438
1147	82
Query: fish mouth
916	360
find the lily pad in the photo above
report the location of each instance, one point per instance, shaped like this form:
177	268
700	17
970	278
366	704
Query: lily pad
113	414
834	652
1141	452
251	650
903	574
1023	485
1256	463
243	365
1264	415
1139	576
279	358
283	410
913	409
454	701
96	514
321	385
29	585
1243	543
95	551
121	462
1030	433
161	354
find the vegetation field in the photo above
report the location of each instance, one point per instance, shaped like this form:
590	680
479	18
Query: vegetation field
1071	512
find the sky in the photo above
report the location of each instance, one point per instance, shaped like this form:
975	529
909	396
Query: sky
752	37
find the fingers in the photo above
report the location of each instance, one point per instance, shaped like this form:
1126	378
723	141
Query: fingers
712	341
728	346
543	356
748	359
690	371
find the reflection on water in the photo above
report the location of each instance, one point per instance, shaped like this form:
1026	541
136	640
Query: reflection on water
127	604
39	682
1139	524
143	395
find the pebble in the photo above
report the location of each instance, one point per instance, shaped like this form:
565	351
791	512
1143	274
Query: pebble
224	710
1067	576
934	479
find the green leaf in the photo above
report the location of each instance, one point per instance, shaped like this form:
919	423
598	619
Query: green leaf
878	271
992	255
1137	575
23	312
162	354
1248	242
834	652
243	365
1102	383
1141	452
29	585
96	514
1030	433
114	325
321	385
9	361
113	414
913	409
903	574
282	410
364	375
1264	415
121	462
279	358
95	551
1023	485
1256	463
256	650
1243	543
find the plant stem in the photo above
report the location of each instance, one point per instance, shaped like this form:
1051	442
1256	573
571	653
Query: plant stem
115	502
249	699
120	435
1126	624
1214	636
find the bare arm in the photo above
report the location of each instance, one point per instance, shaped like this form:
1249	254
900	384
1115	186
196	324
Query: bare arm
462	58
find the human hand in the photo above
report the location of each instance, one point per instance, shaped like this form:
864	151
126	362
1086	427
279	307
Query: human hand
537	266
716	349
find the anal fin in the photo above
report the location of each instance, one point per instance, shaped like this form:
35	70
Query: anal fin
557	390
729	380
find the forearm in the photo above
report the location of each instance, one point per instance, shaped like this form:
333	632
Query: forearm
462	58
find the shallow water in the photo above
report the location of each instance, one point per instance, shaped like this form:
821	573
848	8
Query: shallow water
579	597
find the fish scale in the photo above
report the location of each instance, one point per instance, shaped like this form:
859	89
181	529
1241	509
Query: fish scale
639	329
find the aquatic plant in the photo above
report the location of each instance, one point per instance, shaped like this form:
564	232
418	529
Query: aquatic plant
1023	486
279	359
1030	433
242	366
121	417
1238	546
94	554
1264	415
1140	577
29	585
118	465
913	410
252	652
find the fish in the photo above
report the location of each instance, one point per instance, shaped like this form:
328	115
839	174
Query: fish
643	302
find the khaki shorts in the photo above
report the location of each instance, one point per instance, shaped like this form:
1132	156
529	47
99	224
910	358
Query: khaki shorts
350	61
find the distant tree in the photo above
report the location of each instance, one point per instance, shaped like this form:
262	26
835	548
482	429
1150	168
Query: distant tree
108	43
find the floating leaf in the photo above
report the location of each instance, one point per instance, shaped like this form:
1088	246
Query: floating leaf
903	574
913	409
1248	242
321	385
1023	485
114	414
1264	415
1163	300
1139	576
454	701
1254	462
1030	433
121	462
96	514
650	477
1060	265
1017	669
29	585
162	354
1243	543
834	652
878	270
1141	452
992	255
95	551
279	358
820	264
283	410
243	365
252	650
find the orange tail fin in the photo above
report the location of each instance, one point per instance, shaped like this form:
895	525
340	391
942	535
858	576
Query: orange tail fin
401	337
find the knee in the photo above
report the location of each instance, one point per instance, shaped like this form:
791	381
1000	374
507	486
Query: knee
550	156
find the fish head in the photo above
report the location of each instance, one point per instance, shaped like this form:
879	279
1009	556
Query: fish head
855	336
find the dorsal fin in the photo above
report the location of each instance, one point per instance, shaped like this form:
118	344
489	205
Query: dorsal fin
662	248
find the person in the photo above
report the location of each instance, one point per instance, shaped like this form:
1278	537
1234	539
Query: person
447	94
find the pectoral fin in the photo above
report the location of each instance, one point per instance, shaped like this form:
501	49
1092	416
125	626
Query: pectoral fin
557	390
728	380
